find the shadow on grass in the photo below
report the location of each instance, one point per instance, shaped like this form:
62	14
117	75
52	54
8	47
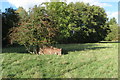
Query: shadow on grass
14	49
72	50
80	47
109	42
65	48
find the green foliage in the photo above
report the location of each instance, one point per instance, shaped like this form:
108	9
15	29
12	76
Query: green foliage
59	14
9	19
113	35
23	15
78	22
90	22
112	21
35	30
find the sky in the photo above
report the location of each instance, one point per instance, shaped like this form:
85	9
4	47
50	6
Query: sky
110	6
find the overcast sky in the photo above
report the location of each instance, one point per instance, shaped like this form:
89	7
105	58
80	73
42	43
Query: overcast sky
110	6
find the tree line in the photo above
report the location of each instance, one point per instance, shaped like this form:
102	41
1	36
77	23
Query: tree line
57	22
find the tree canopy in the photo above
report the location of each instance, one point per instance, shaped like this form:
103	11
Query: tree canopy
9	19
78	22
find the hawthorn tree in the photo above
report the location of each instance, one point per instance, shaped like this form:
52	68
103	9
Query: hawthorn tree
34	32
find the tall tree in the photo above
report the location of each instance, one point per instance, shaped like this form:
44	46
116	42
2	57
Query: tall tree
112	21
9	20
89	23
113	35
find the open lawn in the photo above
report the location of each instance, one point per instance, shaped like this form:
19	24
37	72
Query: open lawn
90	60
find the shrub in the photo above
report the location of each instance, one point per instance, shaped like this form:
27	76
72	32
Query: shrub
113	35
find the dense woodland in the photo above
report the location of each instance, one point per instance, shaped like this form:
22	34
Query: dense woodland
57	22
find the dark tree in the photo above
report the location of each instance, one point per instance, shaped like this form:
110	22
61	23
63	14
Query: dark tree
9	19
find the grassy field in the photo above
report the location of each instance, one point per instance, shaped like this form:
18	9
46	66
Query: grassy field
90	60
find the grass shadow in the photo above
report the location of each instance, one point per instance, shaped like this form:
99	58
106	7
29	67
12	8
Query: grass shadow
14	49
109	42
80	47
65	48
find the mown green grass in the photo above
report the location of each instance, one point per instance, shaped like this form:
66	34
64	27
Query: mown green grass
91	60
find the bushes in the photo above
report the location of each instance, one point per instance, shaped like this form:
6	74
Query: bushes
113	35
